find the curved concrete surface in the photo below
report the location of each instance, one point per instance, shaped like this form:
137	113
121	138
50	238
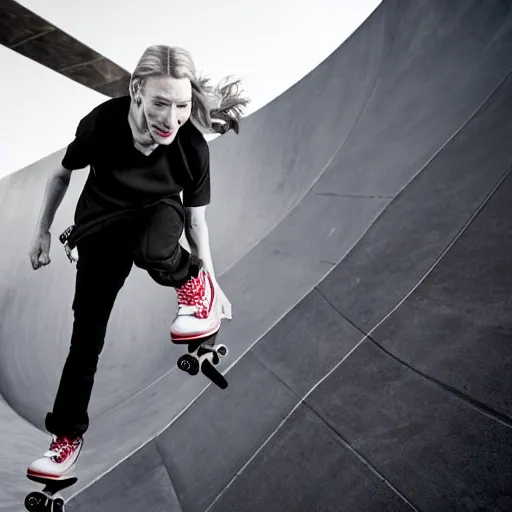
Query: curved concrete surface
361	227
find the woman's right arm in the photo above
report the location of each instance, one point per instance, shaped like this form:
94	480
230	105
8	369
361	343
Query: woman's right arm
78	156
56	188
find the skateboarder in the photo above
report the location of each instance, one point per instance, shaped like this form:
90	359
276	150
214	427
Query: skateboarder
144	150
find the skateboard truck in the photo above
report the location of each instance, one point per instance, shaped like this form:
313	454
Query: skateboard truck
48	500
204	355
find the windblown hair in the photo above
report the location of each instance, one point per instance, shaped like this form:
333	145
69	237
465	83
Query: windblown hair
215	109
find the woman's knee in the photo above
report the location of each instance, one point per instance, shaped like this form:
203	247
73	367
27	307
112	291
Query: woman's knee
154	257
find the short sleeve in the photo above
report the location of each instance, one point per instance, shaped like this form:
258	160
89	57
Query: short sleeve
79	152
198	193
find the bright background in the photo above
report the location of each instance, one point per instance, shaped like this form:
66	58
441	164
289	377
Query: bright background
265	43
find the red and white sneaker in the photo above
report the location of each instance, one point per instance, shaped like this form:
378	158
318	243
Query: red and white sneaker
197	316
59	460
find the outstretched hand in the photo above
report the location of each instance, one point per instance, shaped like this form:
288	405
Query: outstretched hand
223	303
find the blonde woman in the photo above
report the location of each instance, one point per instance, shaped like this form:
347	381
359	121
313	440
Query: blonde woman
144	150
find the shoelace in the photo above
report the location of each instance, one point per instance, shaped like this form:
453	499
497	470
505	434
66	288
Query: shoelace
60	448
192	297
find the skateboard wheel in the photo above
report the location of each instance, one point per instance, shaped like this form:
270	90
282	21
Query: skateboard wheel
188	364
222	350
35	502
58	505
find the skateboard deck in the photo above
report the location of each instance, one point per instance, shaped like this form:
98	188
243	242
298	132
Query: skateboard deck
203	356
49	499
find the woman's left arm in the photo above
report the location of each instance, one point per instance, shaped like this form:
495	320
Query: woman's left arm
197	235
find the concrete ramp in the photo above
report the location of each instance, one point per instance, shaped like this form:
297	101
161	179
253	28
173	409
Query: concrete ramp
361	227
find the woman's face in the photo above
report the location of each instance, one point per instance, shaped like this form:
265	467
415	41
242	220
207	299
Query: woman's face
166	104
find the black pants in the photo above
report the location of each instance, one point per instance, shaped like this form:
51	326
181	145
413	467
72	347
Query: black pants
151	242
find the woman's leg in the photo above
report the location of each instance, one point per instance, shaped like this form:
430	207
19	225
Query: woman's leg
104	262
169	264
159	251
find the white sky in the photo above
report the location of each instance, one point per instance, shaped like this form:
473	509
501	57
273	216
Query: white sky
266	43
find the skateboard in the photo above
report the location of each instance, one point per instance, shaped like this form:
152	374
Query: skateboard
204	355
48	500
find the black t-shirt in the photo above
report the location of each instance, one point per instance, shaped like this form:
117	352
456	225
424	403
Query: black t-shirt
122	180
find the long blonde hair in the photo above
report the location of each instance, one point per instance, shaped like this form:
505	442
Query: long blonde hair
215	109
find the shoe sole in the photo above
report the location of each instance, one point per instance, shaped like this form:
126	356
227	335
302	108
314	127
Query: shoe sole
48	476
195	336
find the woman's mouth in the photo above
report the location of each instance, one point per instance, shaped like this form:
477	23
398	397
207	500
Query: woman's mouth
163	133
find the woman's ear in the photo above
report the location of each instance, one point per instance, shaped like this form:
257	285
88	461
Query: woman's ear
135	91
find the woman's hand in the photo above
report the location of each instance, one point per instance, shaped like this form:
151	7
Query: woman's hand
223	303
39	252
